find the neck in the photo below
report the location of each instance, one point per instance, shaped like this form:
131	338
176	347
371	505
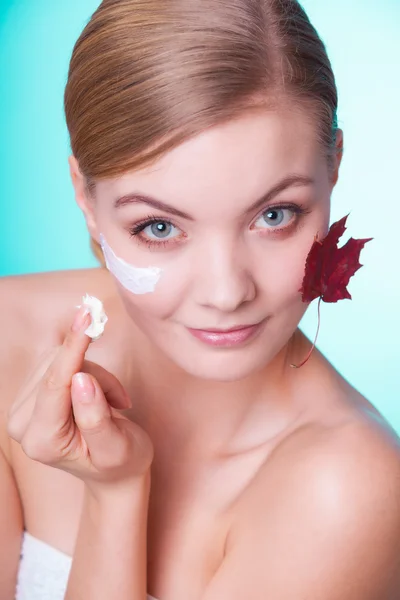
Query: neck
208	418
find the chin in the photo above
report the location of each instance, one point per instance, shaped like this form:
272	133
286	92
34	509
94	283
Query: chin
222	366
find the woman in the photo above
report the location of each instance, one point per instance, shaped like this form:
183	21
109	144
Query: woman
181	455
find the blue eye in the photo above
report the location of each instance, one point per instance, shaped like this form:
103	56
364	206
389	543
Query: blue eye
153	232
275	217
159	229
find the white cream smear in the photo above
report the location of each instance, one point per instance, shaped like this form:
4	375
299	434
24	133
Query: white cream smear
97	314
137	280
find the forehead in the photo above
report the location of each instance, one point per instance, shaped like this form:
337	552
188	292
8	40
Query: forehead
240	159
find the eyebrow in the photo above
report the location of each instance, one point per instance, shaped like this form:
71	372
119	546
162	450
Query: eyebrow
293	180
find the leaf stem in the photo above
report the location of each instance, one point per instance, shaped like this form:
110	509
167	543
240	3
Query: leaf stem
315	340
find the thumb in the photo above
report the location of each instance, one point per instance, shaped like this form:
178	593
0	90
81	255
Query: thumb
94	420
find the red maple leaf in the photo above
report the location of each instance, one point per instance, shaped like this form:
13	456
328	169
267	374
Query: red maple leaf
329	268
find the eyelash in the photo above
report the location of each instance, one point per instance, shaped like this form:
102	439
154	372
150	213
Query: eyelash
136	229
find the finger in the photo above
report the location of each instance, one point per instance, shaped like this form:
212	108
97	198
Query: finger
71	354
53	404
113	389
21	412
93	417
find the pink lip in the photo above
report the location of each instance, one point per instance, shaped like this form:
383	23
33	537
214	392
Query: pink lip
227	337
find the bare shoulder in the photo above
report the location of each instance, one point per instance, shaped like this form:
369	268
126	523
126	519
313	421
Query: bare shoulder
32	303
345	453
321	519
353	462
34	312
342	437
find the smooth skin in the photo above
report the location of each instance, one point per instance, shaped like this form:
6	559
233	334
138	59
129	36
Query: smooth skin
264	481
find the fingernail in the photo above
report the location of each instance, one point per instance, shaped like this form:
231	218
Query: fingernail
128	399
81	321
83	386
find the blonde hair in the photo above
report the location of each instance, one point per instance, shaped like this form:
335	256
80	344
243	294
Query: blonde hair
146	75
97	251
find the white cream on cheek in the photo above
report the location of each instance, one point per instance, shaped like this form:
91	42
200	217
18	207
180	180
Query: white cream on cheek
137	280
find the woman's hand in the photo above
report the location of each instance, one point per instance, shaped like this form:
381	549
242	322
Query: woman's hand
66	416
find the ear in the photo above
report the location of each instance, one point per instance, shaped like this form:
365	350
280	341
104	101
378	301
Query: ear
338	156
82	197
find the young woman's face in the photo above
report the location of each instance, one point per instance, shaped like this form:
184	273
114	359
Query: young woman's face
229	217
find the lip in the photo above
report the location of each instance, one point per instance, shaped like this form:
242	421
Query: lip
234	336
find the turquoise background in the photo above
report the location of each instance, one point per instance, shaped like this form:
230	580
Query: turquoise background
41	228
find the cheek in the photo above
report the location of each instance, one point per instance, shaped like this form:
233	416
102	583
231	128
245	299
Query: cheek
162	303
281	277
287	265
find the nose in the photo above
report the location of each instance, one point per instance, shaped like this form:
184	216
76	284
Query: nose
222	281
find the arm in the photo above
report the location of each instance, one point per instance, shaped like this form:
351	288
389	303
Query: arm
67	421
11	527
110	554
14	363
326	526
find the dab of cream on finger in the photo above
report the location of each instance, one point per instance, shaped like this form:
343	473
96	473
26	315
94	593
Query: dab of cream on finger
137	280
97	315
